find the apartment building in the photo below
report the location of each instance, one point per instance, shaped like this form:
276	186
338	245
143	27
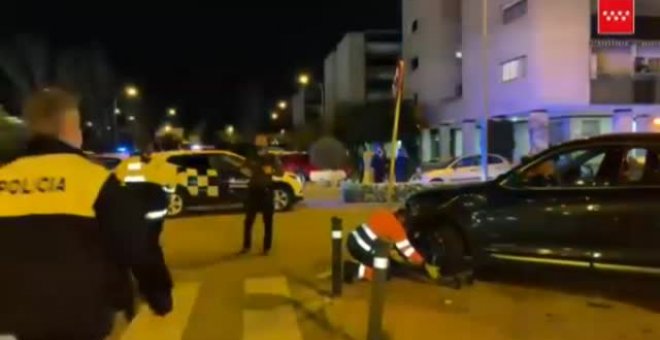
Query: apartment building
360	69
550	78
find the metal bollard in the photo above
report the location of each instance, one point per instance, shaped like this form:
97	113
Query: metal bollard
377	303
337	277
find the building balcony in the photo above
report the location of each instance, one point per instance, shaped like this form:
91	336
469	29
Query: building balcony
381	73
626	89
383	48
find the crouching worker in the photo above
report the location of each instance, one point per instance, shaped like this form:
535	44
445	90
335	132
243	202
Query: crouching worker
388	226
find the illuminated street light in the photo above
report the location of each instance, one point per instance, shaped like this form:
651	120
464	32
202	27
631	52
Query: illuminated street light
282	105
117	111
282	131
131	118
168	128
303	79
131	91
171	111
89	124
229	129
274	116
656	121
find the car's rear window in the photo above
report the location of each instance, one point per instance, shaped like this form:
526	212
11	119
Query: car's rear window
107	162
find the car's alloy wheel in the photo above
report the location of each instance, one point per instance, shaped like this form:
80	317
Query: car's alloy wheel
281	199
176	205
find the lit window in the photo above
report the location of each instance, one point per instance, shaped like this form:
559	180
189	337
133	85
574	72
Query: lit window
513	69
514	11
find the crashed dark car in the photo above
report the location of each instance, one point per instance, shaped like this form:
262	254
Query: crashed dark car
590	204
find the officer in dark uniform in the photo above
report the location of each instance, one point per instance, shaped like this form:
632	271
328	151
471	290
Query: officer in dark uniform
153	200
260	167
70	233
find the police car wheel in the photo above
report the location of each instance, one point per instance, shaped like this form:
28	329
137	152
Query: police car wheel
176	205
282	199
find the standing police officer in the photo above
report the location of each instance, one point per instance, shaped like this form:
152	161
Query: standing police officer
69	232
259	198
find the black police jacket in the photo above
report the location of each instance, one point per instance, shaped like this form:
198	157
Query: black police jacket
68	231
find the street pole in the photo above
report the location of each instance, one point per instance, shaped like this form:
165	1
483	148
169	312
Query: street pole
486	99
115	122
395	133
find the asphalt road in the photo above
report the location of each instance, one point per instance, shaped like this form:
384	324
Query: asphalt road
222	295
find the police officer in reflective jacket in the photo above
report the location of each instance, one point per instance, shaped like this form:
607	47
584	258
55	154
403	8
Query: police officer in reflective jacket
68	233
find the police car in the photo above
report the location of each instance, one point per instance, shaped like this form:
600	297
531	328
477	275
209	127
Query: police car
205	180
108	160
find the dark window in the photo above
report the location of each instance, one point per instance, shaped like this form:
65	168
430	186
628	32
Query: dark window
589	167
640	166
414	63
108	163
514	11
495	160
415	25
197	162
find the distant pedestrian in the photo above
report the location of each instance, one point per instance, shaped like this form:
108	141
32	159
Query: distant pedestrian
379	166
401	166
260	168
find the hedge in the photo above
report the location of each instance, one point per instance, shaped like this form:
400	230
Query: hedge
377	193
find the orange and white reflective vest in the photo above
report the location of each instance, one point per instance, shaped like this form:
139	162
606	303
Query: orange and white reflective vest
384	225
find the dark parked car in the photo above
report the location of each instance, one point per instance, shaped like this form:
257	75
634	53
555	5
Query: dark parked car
592	204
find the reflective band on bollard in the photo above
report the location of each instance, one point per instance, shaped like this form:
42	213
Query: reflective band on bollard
377	302
336	242
381	263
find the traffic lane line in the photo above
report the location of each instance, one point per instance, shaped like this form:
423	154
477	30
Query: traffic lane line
146	325
275	322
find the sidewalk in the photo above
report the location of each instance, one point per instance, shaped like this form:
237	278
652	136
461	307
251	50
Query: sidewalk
483	312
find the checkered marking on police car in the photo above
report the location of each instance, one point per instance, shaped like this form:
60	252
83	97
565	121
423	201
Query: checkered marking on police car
202	184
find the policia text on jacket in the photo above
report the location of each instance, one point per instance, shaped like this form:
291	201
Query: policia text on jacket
29	186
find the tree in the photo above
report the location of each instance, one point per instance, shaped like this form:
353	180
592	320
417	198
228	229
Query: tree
328	153
373	122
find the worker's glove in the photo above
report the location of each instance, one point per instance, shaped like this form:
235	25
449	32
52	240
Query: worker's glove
432	271
160	302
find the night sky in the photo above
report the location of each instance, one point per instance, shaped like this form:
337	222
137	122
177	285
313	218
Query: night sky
198	58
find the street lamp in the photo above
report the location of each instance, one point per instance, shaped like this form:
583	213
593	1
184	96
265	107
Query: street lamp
168	128
274	115
282	105
117	111
303	79
171	112
131	91
89	124
131	118
229	129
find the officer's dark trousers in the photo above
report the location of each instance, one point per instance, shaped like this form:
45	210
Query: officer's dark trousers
258	202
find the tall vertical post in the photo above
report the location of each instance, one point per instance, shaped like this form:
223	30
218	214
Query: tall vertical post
377	302
337	236
486	85
395	130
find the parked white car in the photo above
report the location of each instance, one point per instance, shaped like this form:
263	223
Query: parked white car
463	170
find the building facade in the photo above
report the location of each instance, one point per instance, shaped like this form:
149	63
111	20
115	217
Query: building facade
545	71
360	69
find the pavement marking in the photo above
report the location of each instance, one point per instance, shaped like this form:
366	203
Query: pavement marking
148	326
277	323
